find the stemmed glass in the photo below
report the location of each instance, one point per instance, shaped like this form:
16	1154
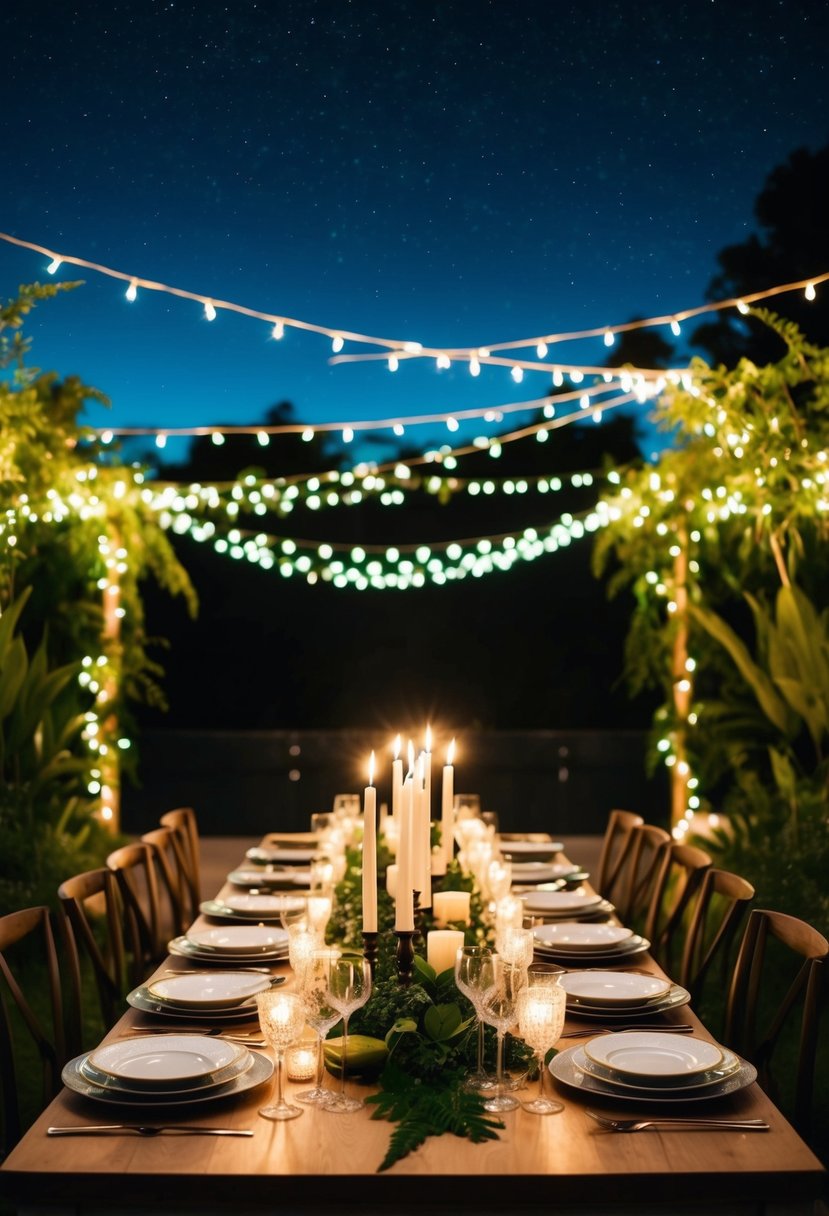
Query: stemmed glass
475	975
321	1016
348	987
499	1008
540	1023
282	1018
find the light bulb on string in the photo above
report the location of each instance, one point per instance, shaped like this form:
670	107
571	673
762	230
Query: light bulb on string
474	367
609	337
394	363
676	329
541	350
348	434
161	440
209	310
810	292
53	266
218	438
132	292
307	435
743	308
399	429
558	377
517	374
278	331
337	344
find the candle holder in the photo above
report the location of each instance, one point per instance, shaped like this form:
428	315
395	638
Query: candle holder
370	950
404	956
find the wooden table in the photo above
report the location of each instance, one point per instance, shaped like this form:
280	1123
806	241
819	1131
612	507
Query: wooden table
323	1162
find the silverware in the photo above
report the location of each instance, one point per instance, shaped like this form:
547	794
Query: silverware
277	979
145	1129
670	1028
692	1124
251	1038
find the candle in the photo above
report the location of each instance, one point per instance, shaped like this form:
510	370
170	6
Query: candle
447	817
403	909
370	853
423	872
391	880
301	1061
396	794
442	946
450	906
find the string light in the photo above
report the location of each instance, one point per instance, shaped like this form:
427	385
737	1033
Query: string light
132	292
209	310
810	292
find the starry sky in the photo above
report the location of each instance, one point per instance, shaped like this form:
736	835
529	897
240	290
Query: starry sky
456	172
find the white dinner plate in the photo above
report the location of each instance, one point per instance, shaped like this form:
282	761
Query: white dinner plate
274	855
192	1085
561	902
140	998
614	988
539	850
218	990
571	935
239	939
650	1056
542	871
730	1065
261	1070
286	877
564	1069
259	908
159	1059
594	958
674	998
184	948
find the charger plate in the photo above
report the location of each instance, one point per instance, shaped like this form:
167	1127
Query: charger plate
730	1065
571	935
261	1070
564	1069
182	948
675	998
157	1059
193	1086
615	989
238	939
140	998
643	1056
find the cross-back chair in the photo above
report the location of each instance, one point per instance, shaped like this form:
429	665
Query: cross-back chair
92	907
642	865
135	872
173	893
184	823
774	945
615	846
29	962
677	884
718	912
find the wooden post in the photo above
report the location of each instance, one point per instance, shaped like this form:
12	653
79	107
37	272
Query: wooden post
107	697
681	681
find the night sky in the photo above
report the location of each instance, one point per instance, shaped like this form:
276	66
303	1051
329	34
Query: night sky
454	173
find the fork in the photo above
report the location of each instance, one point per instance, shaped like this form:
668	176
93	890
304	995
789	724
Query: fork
692	1124
670	1028
249	1037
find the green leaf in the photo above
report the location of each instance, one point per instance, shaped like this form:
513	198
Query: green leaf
442	1022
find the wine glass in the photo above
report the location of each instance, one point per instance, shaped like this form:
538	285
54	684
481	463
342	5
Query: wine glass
499	1008
282	1018
321	1016
474	976
348	988
540	1023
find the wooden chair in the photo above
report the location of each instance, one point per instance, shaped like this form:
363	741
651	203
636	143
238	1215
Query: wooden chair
677	885
135	872
614	852
27	944
183	822
92	908
772	946
637	879
173	891
718	912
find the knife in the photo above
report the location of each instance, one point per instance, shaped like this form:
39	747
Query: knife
142	1129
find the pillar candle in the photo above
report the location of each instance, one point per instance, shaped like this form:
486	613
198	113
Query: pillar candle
403	908
370	853
450	906
442	946
392	872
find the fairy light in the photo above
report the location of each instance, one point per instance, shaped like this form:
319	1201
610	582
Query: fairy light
132	292
278	331
210	310
810	292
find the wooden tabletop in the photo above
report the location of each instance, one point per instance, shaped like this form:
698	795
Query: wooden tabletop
325	1161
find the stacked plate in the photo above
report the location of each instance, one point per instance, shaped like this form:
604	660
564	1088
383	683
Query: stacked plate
232	944
166	1070
260	908
637	1066
530	850
270	877
544	871
281	855
574	943
566	905
606	995
224	996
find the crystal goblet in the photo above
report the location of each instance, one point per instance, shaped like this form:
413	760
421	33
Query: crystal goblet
348	987
282	1018
540	1022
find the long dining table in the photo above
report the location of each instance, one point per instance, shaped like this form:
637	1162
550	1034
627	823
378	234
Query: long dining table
325	1162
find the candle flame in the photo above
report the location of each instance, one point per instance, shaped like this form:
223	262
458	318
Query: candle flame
450	753
397	746
428	738
371	769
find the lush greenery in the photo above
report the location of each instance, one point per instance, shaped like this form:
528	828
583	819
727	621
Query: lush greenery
719	541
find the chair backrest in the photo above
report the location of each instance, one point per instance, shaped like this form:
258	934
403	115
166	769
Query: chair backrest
637	879
183	822
755	996
615	846
718	913
671	908
170	864
135	872
92	907
28	948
